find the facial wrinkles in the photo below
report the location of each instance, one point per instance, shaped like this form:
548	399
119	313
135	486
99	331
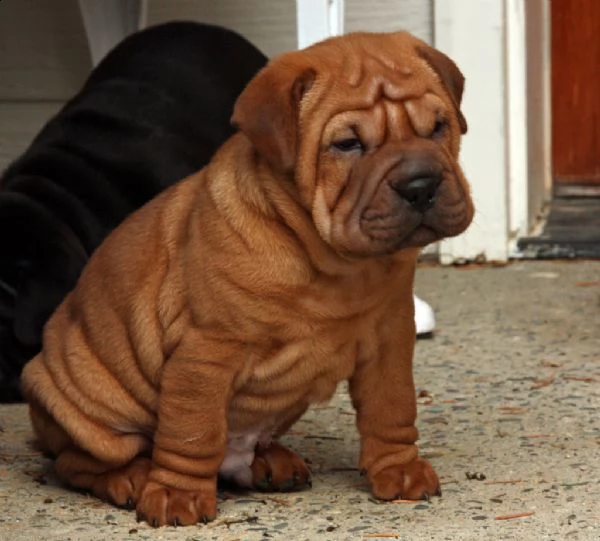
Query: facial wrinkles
364	63
364	180
375	75
360	82
369	125
387	123
399	126
360	85
424	111
314	101
371	169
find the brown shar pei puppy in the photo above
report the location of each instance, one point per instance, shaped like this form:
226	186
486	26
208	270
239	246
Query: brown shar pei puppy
207	323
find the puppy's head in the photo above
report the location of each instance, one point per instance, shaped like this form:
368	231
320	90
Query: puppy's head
368	127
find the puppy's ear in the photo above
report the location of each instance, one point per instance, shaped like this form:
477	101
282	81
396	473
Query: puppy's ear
450	76
267	112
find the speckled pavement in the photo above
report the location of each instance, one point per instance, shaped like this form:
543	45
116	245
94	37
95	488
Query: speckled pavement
509	414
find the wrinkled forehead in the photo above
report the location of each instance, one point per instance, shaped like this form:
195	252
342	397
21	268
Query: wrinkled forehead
366	70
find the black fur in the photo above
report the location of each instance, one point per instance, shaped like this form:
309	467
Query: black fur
152	112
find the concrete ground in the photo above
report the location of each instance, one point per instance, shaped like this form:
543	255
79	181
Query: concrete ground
509	415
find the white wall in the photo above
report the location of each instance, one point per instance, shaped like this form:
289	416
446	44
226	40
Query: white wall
269	24
43	61
416	16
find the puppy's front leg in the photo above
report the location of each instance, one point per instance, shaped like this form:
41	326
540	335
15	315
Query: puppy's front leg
189	443
383	395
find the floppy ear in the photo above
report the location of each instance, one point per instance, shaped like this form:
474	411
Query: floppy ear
267	112
450	76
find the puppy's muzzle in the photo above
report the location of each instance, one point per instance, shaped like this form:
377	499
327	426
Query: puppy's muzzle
419	192
416	181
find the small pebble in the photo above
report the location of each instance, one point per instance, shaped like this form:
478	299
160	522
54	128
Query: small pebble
477	476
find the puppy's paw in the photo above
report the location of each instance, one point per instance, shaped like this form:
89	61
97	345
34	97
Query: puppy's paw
123	486
413	481
160	505
276	468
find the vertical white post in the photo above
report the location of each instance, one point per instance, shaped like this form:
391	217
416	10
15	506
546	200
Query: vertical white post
474	35
107	22
517	117
318	19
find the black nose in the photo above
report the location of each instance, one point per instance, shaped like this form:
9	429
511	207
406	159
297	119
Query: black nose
419	192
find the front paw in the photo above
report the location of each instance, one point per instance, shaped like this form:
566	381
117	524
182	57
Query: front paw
160	505
413	481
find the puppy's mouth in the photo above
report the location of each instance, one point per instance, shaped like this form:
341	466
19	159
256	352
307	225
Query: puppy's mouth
393	232
403	226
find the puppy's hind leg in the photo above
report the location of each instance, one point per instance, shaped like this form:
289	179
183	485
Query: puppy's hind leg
278	469
121	485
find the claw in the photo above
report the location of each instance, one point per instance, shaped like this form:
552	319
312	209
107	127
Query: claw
204	519
140	517
130	504
426	497
438	492
154	523
176	522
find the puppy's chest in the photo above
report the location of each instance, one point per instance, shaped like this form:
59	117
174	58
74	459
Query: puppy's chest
302	370
308	345
303	344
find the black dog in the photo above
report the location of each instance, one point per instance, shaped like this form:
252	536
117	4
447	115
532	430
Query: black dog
153	112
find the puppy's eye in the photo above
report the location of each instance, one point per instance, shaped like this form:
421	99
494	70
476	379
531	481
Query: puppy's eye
439	129
348	145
